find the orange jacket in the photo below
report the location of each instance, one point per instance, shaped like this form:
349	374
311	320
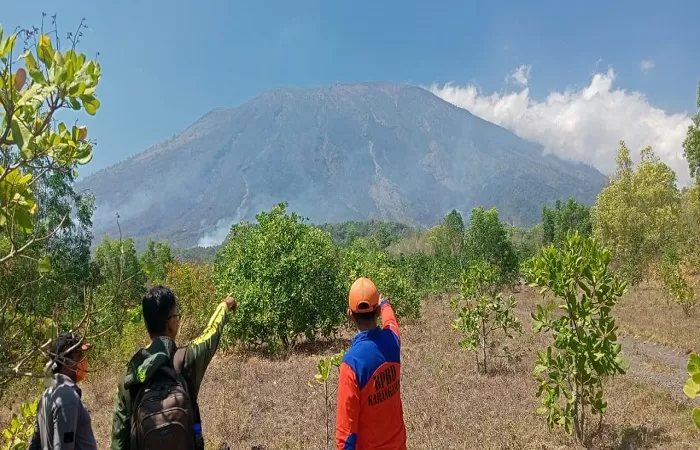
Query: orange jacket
370	414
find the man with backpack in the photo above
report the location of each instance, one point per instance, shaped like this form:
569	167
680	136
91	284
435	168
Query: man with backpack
370	414
156	405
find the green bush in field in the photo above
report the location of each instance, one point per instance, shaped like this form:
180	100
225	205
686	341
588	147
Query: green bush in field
365	259
584	349
286	277
482	311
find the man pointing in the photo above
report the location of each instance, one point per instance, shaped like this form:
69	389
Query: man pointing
369	413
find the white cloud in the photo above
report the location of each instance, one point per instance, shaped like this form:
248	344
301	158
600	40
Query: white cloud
583	124
646	65
519	75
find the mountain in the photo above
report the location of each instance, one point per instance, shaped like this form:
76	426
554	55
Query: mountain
334	153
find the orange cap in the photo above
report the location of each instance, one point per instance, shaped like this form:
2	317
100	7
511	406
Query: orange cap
364	296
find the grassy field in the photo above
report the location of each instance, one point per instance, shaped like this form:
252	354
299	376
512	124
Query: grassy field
251	402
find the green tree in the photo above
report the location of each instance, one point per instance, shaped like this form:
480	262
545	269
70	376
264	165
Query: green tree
486	239
287	279
192	285
565	217
44	251
364	258
691	144
32	144
584	346
155	259
482	311
638	215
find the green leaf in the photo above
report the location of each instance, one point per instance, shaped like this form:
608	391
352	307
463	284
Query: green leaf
691	388
44	265
90	103
694	363
696	417
23	220
8	45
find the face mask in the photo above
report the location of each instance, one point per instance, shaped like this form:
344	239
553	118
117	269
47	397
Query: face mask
81	370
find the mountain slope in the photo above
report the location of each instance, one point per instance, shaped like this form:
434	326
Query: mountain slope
335	153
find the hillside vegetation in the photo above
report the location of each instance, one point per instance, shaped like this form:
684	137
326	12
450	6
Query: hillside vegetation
536	337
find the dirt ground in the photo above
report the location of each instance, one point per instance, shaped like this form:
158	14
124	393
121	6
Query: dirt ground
252	402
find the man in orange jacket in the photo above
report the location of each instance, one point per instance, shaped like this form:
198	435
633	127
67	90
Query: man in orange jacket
369	413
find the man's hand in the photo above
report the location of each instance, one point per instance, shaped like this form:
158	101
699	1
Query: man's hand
231	303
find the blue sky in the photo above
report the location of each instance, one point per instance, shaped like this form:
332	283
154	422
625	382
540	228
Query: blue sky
165	64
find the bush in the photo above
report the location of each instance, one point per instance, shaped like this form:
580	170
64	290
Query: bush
196	296
485	312
364	259
285	275
584	348
486	238
19	432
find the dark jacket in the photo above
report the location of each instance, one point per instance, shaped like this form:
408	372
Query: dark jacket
144	364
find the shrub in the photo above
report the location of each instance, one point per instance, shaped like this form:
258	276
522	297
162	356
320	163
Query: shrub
19	432
485	312
196	296
364	259
584	348
285	275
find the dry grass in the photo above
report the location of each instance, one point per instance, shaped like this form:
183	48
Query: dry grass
250	400
646	313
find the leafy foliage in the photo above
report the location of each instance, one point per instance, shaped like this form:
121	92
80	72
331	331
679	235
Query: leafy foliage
485	311
676	283
565	217
486	239
323	378
42	219
286	277
692	385
154	261
387	233
364	258
191	283
32	145
584	348
691	144
19	432
637	215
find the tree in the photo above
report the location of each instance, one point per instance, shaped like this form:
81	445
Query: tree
192	285
584	346
637	215
691	144
155	260
287	279
44	259
32	145
565	217
483	313
486	239
364	258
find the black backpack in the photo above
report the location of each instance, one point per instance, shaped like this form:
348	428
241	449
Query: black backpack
163	413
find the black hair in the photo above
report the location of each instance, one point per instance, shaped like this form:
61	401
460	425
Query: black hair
366	318
157	305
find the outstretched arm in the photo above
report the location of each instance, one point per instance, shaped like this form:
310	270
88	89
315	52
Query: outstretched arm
388	318
202	349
